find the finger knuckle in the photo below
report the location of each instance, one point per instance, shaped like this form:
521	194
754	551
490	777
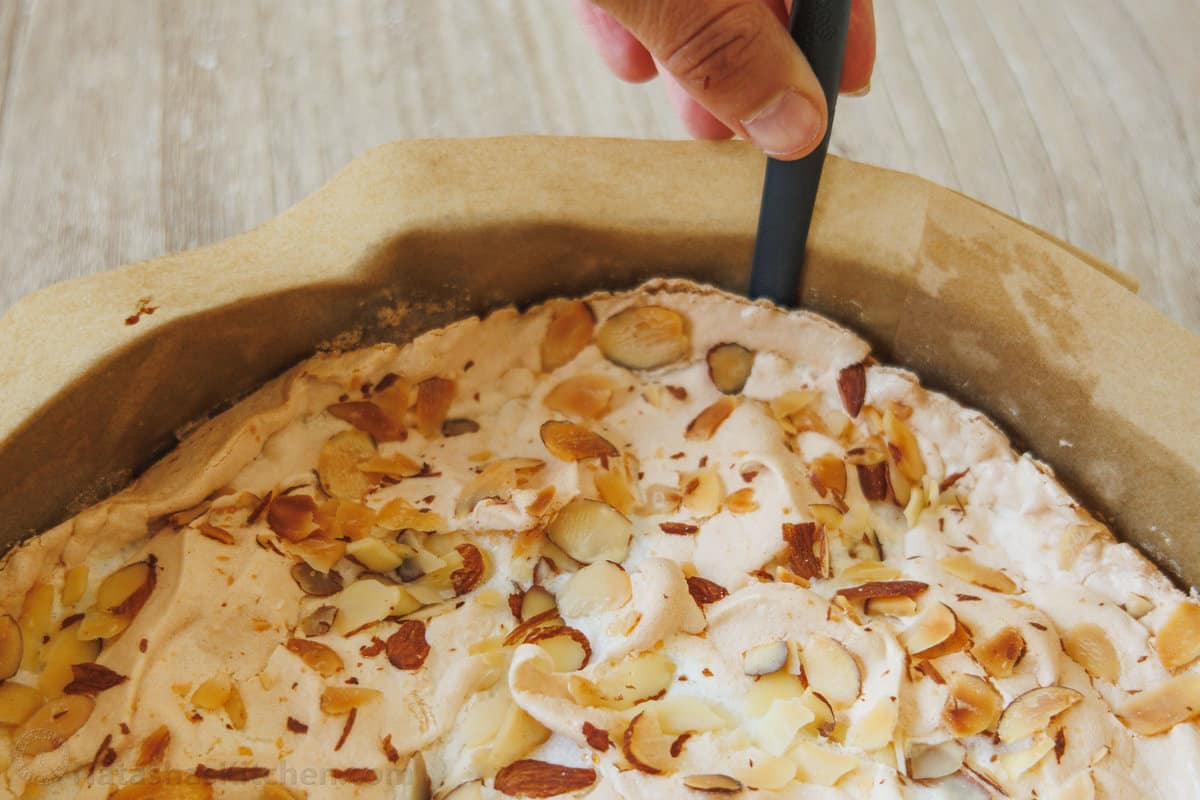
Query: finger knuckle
713	48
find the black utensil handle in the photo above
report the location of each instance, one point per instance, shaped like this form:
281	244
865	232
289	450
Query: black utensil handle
819	27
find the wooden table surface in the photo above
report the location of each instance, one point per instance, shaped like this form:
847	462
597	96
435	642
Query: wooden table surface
130	128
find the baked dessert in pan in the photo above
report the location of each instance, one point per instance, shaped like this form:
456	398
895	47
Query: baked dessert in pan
659	543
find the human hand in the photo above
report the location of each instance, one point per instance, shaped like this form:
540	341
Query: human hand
729	65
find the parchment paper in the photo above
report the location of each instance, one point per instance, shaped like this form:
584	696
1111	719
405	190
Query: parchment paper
1053	344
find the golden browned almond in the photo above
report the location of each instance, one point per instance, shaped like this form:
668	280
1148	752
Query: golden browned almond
568	441
1033	711
125	591
644	337
876	589
156	784
729	366
713	783
1090	647
312	582
50	726
338	465
678	528
235	708
933	627
832	670
957	642
569	331
742	501
292	516
873	480
12	647
1177	641
236	774
536	602
852	386
407	648
434	396
807	549
496	482
597	738
594	589
971	571
529	778
645	745
92	678
1000	653
319	552
210	531
568	647
397	465
972	705
18	702
827	474
704	591
470	574
75	583
587	396
344	519
589	531
60	654
703	491
371	419
338	700
154	747
321	658
706	423
931	762
1164	706
765	658
903	447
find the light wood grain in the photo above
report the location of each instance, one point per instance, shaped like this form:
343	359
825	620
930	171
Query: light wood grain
130	128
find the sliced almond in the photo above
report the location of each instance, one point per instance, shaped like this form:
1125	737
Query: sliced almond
18	702
518	736
869	570
616	485
472	572
1017	762
713	784
770	688
827	474
344	519
362	603
319	553
12	647
807	549
396	465
765	658
471	790
970	570
75	584
933	627
154	746
292	516
590	531
891	606
434	396
831	670
1091	648
371	419
568	441
1137	605
569	331
1000	653
338	465
99	624
875	729
1163	706
706	423
1177	641
930	762
704	591
703	492
168	785
873	480
315	583
568	647
407	648
680	714
742	501
537	601
497	481
319	621
827	516
50	726
884	589
903	447
589	397
377	555
596	588
212	694
644	337
235	709
972	705
318	657
1073	540
125	591
821	765
632	680
1033	711
338	700
646	746
729	367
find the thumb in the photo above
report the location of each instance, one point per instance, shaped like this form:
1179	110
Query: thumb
737	61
